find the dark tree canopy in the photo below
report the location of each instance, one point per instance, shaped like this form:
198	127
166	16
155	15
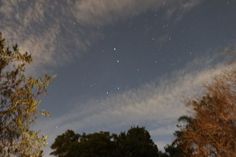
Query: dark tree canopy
135	143
66	144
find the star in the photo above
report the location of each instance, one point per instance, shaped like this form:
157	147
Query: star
118	61
114	49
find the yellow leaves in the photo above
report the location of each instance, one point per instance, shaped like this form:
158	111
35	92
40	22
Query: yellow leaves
31	107
213	126
19	97
29	144
45	113
19	122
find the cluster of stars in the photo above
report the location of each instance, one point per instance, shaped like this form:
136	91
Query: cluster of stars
108	92
115	50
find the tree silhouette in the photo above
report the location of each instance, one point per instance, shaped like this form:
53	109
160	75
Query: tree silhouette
65	145
135	143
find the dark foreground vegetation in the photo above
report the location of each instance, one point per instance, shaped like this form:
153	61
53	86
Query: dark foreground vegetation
136	142
209	132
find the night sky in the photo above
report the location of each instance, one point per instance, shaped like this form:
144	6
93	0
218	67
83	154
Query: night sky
121	63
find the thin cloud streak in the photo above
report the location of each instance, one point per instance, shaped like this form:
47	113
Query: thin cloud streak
155	105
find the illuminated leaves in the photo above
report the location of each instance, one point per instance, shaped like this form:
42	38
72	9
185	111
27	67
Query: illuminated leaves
19	100
212	129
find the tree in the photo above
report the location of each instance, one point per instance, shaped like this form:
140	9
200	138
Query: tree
172	151
211	131
135	143
69	144
65	145
99	144
19	100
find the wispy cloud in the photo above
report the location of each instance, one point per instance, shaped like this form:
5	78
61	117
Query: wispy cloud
48	28
101	12
155	105
21	22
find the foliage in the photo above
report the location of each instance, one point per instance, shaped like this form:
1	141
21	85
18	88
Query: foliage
211	132
19	100
135	143
172	151
65	145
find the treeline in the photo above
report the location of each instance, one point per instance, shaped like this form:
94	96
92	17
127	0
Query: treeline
210	131
136	142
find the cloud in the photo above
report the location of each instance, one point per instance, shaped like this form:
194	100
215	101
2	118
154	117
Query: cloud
101	12
48	29
156	105
20	23
37	26
42	47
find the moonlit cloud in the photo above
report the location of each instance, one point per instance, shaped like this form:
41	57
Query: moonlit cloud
48	29
156	105
22	22
101	12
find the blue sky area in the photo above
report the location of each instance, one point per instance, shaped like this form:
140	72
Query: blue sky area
120	63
